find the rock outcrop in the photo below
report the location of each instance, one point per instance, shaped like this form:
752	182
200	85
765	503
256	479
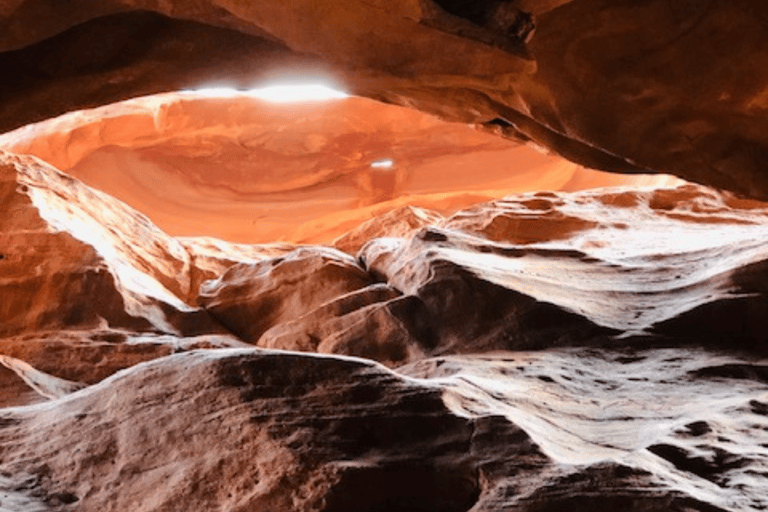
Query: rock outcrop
246	170
65	244
609	355
435	335
246	430
675	87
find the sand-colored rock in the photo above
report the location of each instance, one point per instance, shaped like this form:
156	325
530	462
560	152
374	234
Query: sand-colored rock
401	222
92	355
49	277
211	257
75	257
246	170
648	389
248	299
527	271
631	260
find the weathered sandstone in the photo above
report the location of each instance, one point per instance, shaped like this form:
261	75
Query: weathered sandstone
609	355
247	170
664	86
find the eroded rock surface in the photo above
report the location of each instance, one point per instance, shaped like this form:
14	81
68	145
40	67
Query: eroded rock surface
609	355
65	244
245	430
675	87
247	170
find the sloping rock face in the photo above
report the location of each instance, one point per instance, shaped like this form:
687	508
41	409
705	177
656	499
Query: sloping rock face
365	438
608	356
80	244
251	171
622	86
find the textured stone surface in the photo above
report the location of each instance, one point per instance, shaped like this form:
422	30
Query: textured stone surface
647	389
247	170
664	86
251	298
65	244
244	430
544	351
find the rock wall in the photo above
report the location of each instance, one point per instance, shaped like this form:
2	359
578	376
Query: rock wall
456	344
544	351
246	170
673	87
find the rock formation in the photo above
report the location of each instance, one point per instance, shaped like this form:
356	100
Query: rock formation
251	171
355	306
600	349
663	86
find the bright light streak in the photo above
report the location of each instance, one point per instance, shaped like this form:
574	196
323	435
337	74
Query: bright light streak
291	93
383	164
277	93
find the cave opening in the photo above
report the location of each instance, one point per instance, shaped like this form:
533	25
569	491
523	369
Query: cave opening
477	12
301	91
238	169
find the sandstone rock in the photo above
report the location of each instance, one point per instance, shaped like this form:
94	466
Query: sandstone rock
246	170
211	257
648	389
42	383
272	454
92	355
531	220
303	432
571	402
649	264
66	244
401	223
641	398
250	298
493	276
16	391
675	88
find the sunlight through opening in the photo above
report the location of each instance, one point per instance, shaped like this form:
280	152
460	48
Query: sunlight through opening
276	93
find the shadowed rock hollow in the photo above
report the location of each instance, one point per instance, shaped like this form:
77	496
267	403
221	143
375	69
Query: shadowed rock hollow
468	330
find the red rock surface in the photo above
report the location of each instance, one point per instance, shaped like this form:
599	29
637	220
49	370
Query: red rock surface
673	87
250	171
228	382
455	350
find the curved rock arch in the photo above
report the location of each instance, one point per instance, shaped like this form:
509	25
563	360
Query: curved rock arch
657	86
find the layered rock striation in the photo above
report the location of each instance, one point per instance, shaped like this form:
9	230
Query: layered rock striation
544	351
244	169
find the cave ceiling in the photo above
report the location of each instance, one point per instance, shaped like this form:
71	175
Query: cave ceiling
625	86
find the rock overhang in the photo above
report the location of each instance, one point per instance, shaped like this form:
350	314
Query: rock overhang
662	87
238	167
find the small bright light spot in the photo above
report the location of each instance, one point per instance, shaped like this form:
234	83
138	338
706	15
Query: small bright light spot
382	164
277	93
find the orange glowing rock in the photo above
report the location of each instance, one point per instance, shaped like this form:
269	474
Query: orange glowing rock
246	170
